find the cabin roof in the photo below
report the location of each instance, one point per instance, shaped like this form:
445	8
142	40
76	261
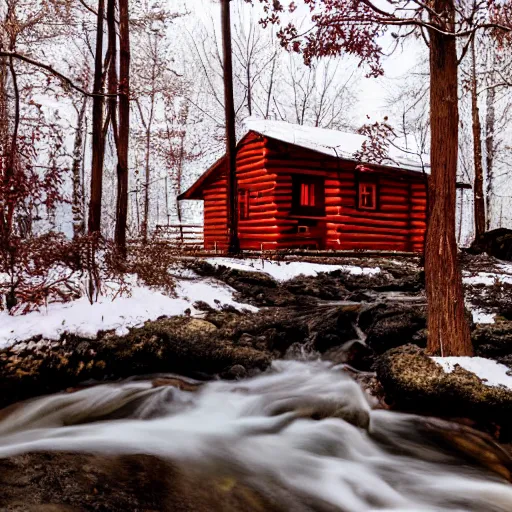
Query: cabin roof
333	143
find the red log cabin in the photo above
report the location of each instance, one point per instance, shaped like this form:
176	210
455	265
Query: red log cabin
300	187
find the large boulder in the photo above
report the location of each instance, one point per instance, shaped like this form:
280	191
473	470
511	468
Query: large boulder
74	482
389	326
497	243
182	345
414	382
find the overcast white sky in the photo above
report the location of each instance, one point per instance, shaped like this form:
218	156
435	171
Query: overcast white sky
373	91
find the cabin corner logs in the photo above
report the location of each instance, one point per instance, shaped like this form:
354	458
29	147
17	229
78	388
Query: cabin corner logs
271	177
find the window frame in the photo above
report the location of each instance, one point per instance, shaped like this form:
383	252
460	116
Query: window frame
305	180
360	195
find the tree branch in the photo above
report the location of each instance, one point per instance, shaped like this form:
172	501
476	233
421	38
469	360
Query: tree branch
63	78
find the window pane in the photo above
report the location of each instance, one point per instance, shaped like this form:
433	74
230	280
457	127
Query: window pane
367	195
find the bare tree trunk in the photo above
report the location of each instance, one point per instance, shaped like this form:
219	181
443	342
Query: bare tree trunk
98	140
112	69
124	128
448	329
490	126
78	156
478	185
270	87
147	126
232	198
12	157
179	175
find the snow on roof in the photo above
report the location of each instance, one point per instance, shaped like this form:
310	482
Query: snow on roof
329	142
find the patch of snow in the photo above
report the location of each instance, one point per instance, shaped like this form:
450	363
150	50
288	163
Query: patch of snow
329	142
492	373
481	317
486	278
84	319
284	271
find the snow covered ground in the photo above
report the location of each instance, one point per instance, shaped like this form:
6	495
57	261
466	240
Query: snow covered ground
481	317
84	319
487	278
283	270
491	372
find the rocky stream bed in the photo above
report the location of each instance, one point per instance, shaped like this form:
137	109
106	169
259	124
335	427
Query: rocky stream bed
372	325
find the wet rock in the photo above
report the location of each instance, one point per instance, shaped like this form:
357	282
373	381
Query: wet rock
497	243
66	482
321	286
236	372
392	326
353	353
333	326
413	381
301	352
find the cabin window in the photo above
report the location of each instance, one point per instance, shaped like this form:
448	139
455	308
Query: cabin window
367	196
308	196
243	204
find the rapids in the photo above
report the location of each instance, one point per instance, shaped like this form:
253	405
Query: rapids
304	426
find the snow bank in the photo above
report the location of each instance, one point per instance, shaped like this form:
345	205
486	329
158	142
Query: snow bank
491	372
283	271
84	319
481	317
487	278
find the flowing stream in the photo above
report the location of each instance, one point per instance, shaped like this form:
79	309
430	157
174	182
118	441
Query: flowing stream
304	426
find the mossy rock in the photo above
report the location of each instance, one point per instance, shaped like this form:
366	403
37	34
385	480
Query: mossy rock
166	345
493	340
412	381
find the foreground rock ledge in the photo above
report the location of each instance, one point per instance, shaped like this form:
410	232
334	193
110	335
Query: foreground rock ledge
179	344
414	382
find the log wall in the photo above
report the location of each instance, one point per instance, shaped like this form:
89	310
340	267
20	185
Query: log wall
265	168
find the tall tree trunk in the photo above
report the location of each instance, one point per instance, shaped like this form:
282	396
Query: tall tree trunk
478	185
229	106
78	156
490	126
179	176
98	140
112	69
448	329
124	127
147	161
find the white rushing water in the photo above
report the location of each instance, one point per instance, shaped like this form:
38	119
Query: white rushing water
306	427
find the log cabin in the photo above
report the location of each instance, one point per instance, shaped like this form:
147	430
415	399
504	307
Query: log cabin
300	187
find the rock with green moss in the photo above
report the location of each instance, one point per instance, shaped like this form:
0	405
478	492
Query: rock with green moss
412	381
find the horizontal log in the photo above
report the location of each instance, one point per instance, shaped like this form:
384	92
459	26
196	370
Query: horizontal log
369	237
385	199
254	173
354	220
394	208
369	214
268	179
380	230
